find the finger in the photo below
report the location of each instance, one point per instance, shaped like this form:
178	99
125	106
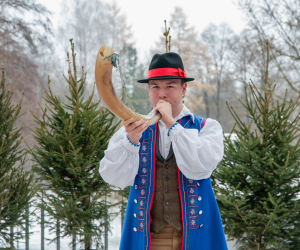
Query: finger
144	124
133	126
143	127
158	102
158	105
156	110
128	122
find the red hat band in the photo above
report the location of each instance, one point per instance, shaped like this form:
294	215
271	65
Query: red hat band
166	72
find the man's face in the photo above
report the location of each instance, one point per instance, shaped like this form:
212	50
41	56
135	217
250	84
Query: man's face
169	90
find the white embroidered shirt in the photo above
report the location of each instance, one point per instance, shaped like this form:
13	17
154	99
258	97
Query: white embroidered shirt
196	154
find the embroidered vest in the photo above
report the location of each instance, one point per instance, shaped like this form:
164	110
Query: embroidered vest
166	202
201	220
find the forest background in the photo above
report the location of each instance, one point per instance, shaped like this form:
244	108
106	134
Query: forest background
221	60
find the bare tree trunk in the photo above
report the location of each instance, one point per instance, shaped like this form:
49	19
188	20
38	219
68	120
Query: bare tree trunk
218	98
87	237
74	242
206	101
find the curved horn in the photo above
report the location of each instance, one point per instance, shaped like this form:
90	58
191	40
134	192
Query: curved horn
103	72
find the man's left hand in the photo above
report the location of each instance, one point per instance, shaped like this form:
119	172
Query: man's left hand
165	109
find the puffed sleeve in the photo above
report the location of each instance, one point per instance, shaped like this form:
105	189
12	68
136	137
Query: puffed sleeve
120	163
197	154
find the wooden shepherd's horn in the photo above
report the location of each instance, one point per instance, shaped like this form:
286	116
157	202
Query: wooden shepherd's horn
103	72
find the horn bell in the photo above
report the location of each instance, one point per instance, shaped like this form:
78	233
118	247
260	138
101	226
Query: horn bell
107	93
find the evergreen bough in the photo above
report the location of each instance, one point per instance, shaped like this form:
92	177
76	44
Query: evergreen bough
71	138
257	182
17	186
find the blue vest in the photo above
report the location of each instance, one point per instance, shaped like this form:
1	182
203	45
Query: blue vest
201	220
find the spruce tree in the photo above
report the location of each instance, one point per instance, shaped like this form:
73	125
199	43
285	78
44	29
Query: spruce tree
257	182
71	138
17	187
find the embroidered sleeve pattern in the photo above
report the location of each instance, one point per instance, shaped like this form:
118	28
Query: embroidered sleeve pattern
120	163
174	130
198	153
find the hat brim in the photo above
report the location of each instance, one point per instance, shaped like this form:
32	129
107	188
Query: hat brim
166	77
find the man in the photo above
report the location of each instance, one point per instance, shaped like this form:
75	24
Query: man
171	205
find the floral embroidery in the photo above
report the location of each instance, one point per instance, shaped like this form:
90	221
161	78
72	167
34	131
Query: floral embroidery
192	201
191	184
193	222
143	186
143	181
172	127
136	145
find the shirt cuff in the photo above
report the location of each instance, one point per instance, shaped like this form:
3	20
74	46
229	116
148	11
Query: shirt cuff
130	145
174	130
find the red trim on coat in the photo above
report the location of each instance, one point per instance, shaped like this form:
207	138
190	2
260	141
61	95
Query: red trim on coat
181	209
181	203
153	185
204	122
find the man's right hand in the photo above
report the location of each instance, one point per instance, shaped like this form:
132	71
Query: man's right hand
135	129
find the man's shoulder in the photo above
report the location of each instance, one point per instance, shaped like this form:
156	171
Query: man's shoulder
199	119
202	122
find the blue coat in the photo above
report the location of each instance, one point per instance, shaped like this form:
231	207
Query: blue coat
201	220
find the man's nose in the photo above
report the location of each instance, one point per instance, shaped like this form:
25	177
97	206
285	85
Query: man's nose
162	94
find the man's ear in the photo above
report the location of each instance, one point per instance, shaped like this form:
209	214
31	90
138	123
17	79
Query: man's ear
184	87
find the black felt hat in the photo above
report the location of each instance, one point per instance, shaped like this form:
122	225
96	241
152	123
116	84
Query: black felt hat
166	66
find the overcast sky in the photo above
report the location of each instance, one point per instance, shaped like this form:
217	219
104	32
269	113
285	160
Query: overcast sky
147	17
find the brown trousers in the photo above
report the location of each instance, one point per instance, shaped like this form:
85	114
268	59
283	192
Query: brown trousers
167	239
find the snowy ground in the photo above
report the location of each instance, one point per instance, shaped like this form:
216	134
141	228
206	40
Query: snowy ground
113	238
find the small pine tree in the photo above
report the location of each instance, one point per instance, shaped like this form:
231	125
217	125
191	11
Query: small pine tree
138	93
17	187
257	182
71	140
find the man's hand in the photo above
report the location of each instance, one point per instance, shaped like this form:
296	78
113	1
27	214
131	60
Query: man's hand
135	129
165	109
